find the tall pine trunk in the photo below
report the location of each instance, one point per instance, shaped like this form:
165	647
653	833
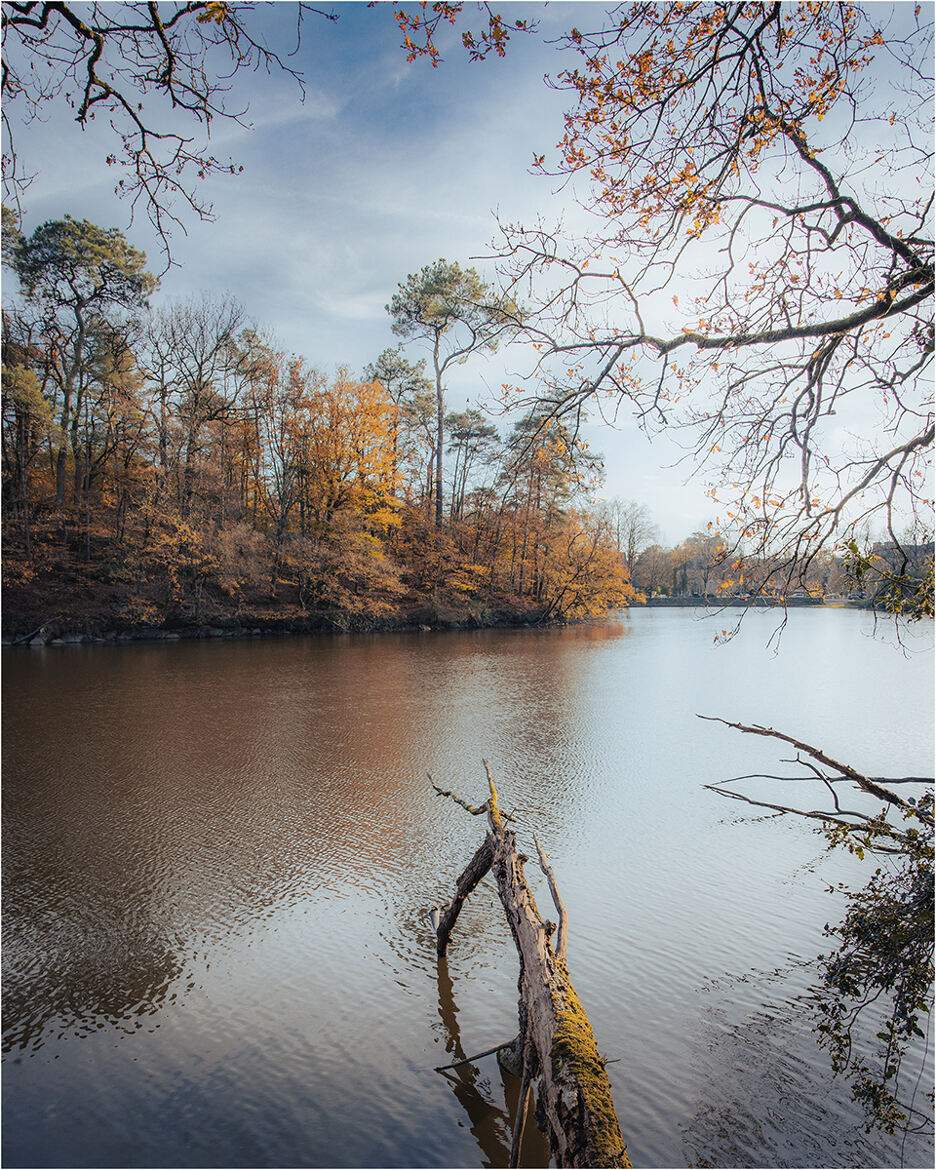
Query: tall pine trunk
440	436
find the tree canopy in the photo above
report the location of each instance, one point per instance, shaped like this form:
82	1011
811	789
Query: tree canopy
75	264
455	313
83	287
759	276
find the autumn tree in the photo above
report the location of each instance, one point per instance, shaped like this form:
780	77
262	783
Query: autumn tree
760	273
348	425
80	281
455	314
421	30
343	431
26	424
584	574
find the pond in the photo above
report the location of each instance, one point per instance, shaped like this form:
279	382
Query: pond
218	859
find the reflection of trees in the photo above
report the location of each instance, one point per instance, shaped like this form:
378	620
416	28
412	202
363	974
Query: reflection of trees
79	976
87	937
181	794
83	942
766	1097
490	1125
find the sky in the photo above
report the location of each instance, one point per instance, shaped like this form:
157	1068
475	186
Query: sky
385	167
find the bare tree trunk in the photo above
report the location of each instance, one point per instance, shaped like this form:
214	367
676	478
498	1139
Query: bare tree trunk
440	434
560	1058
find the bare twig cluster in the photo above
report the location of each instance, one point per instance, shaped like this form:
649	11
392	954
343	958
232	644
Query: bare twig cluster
760	275
147	68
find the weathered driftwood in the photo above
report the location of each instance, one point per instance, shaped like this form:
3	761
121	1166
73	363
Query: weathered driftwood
555	1051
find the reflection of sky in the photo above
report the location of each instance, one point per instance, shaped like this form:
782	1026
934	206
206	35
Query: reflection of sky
228	851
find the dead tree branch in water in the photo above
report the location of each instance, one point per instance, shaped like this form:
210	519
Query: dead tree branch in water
872	787
562	936
558	1057
883	958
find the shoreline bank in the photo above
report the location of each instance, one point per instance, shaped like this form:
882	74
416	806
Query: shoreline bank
55	632
58	631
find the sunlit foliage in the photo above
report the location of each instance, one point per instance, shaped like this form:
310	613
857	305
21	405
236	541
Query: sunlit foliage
175	467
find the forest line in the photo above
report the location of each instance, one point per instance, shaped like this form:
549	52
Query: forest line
176	468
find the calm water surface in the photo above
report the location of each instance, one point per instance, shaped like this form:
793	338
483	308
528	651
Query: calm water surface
217	860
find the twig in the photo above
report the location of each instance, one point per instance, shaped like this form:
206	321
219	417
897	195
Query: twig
472	1059
562	936
865	783
800	812
902	780
831	779
476	810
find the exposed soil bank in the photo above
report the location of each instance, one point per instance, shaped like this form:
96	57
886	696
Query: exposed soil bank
96	629
63	632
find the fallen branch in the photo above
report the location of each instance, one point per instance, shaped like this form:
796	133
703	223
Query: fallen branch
472	874
865	783
475	809
562	936
560	1062
30	636
830	779
472	1059
813	814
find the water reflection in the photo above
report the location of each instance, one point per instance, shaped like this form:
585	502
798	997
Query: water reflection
86	941
765	1085
491	1125
80	978
234	841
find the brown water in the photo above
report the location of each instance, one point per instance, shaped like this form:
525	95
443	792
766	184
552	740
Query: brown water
217	860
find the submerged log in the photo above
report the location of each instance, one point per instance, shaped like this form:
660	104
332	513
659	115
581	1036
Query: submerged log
555	1051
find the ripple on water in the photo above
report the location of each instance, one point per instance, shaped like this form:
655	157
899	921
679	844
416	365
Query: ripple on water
218	858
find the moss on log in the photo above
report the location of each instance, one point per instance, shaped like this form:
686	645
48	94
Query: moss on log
559	1056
